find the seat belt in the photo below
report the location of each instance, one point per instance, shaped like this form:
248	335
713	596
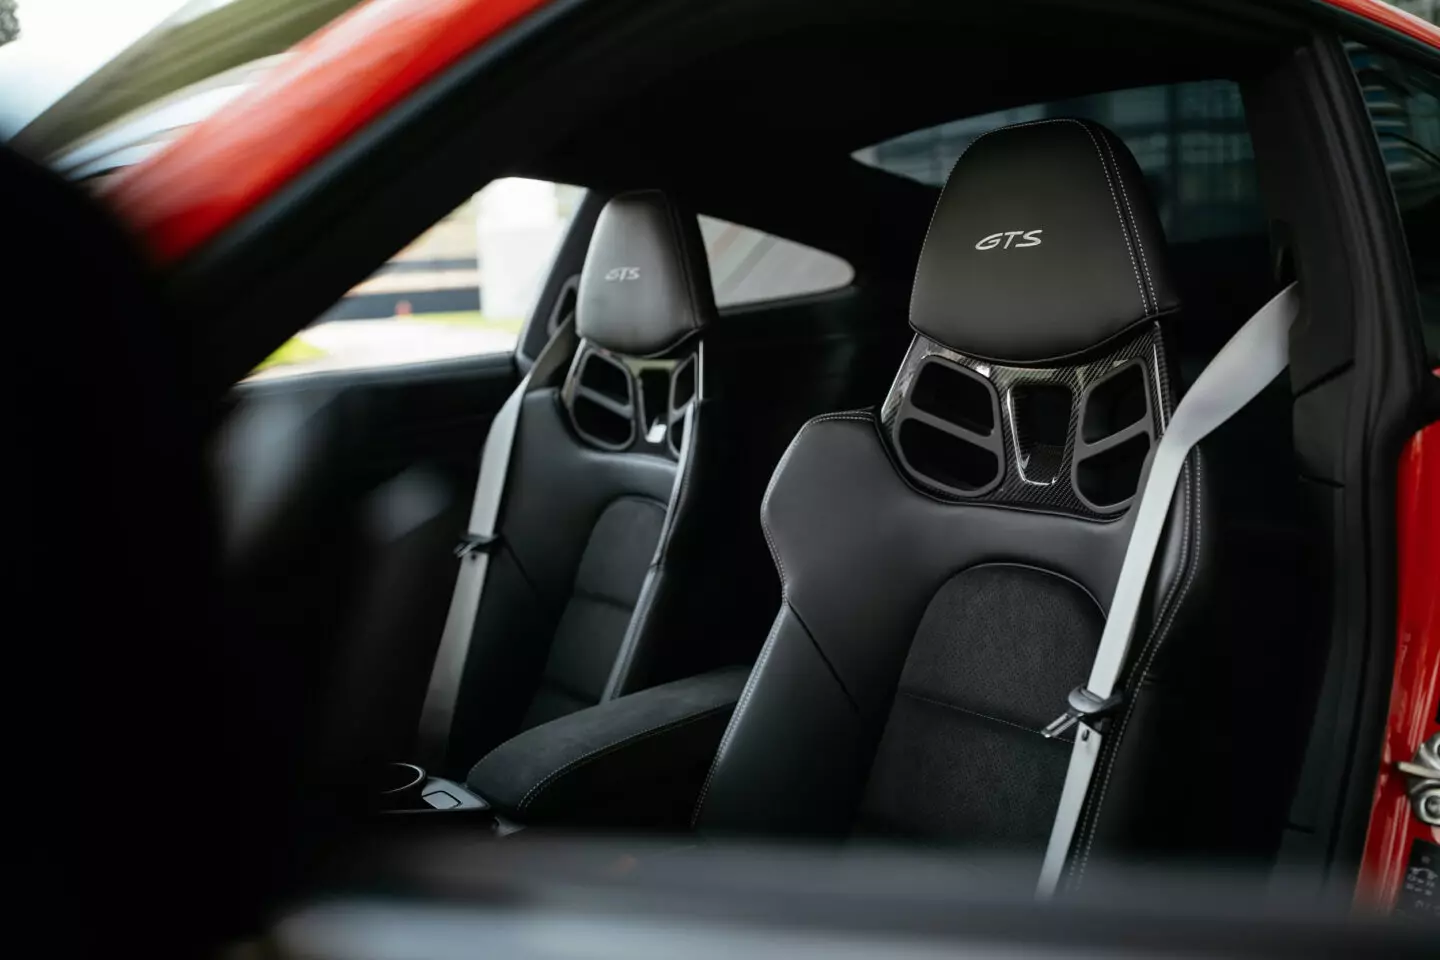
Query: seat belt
438	712
1252	358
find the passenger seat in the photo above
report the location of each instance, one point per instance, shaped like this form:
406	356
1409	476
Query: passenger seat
948	559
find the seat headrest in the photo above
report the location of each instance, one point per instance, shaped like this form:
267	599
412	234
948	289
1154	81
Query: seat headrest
645	285
1044	245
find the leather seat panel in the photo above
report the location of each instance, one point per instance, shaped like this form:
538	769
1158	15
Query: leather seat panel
1094	267
558	488
794	757
861	553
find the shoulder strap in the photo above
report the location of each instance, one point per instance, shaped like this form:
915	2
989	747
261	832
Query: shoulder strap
1252	358
438	712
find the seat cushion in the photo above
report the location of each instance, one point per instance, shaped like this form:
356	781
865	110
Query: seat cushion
962	757
565	523
593	624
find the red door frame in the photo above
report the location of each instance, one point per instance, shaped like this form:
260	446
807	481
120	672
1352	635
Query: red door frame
376	55
331	85
1415	691
1392	17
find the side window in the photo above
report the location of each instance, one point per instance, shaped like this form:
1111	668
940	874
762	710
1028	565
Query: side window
749	266
463	288
1190	140
1404	105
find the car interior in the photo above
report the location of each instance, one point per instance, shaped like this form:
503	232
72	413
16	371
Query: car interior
816	569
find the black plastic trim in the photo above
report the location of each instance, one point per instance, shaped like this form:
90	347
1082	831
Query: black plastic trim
1357	380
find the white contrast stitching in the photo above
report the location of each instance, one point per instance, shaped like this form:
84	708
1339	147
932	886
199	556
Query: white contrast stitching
750	684
534	791
865	417
935	212
1134	226
1144	305
1151	645
983	716
780	468
1148	656
1092	811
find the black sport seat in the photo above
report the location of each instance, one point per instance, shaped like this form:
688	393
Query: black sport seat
947	561
586	511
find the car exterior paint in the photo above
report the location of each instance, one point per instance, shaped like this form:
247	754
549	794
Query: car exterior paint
1415	692
333	83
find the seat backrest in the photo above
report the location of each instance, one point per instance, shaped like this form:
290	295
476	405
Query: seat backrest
947	560
597	460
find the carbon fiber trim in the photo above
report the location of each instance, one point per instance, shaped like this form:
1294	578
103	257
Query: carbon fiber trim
1031	473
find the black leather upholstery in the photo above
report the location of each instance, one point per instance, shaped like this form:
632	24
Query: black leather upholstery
646	282
638	760
923	641
1044	245
586	519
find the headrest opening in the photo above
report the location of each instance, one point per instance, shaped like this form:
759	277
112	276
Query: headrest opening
602	400
1066	438
628	404
1044	246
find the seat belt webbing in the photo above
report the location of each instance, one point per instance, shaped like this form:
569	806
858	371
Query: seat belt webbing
438	711
1252	358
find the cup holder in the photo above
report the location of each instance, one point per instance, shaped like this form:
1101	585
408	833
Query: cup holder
398	786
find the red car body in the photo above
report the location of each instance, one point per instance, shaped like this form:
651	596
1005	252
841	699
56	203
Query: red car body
1415	692
374	57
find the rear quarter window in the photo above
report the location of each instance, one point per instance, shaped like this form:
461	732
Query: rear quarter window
752	266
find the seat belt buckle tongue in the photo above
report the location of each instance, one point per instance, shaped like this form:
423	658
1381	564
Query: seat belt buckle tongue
474	543
1084	705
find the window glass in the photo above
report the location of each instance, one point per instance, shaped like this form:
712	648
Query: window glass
1189	139
463	288
126	71
1404	105
748	265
